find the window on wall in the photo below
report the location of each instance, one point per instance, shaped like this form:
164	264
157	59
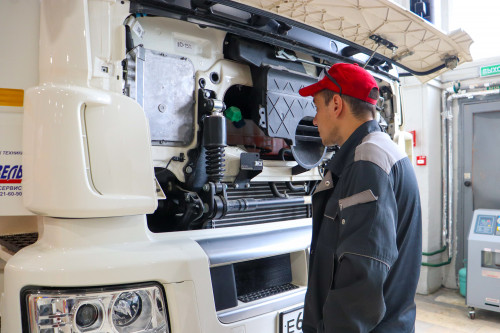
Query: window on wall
423	8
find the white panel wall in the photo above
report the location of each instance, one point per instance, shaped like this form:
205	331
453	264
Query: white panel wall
422	113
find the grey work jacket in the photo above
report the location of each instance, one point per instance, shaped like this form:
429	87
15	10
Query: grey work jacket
367	240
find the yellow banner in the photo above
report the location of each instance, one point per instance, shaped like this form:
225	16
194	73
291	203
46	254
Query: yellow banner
11	97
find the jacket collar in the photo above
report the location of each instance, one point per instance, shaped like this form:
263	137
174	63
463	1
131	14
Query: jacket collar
341	157
325	184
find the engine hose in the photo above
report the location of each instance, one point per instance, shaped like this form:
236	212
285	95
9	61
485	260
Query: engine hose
275	191
284	151
312	187
294	188
289	185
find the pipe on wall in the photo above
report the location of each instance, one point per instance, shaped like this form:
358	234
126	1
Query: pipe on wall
449	148
444	169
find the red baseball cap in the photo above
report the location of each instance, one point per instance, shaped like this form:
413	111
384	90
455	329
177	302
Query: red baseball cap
347	79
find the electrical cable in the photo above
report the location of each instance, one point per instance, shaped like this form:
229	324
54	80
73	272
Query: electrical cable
179	158
438	264
436	252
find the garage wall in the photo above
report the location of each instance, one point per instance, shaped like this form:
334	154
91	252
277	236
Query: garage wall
422	114
422	105
468	77
422	108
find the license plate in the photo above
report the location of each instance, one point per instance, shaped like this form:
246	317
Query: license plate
291	320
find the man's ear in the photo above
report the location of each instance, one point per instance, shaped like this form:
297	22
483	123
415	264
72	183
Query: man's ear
337	105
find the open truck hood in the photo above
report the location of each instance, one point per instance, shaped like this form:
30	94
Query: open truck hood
378	32
406	40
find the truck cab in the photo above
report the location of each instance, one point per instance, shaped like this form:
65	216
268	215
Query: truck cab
158	162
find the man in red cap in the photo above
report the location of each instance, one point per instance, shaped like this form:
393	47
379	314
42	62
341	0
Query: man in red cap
366	243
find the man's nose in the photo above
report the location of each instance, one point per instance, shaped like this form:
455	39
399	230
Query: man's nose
315	121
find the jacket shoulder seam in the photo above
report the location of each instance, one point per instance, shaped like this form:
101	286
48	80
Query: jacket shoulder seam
379	150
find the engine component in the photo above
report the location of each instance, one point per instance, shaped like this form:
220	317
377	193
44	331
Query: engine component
275	191
183	210
219	205
214	141
278	107
208	157
289	186
163	85
243	205
250	166
254	139
308	150
296	188
257	54
281	106
233	113
283	113
262	214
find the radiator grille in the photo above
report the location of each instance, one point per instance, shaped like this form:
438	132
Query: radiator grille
264	215
16	242
266	292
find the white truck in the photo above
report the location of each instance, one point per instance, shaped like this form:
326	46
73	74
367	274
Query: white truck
157	162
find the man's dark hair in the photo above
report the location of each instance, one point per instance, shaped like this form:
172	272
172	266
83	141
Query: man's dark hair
358	107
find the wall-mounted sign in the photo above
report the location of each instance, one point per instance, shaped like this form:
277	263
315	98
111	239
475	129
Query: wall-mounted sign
489	70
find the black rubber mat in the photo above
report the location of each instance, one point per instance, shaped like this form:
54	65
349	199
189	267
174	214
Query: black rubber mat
17	241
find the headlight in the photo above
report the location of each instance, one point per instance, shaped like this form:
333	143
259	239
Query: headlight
122	309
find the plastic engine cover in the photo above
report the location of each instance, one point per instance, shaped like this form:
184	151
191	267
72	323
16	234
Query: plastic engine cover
285	114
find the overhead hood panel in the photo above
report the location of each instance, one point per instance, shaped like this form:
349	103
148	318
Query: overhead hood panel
422	49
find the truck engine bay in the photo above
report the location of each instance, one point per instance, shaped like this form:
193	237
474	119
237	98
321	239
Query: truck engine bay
233	141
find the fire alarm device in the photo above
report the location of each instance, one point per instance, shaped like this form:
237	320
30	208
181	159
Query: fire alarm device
421	160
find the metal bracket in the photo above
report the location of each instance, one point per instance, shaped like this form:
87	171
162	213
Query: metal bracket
250	166
379	40
281	54
451	62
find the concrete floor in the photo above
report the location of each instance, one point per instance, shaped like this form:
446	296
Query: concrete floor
445	312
